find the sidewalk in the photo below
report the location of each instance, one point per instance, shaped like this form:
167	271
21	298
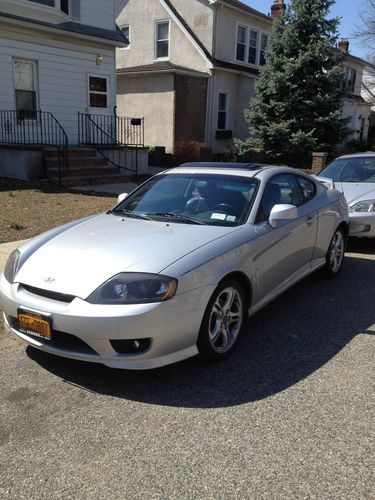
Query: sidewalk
6	249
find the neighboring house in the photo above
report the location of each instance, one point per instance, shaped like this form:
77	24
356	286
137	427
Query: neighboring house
368	94
57	58
190	69
355	106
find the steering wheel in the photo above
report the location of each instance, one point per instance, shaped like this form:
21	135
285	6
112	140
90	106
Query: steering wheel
226	207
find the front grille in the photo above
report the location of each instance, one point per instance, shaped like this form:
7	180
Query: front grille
61	297
59	340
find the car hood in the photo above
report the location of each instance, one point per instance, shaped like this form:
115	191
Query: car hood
356	191
81	258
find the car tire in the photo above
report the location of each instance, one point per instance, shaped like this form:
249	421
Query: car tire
223	321
335	254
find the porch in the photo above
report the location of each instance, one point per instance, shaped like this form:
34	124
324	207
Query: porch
33	144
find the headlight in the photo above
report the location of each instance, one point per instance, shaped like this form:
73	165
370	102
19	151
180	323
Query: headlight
12	265
363	206
134	288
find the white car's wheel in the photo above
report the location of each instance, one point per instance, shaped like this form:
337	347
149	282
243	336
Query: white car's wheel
335	254
223	321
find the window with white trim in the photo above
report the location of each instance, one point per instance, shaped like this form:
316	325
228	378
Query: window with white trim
126	32
71	8
263	48
162	40
222	115
98	91
25	88
241	43
251	45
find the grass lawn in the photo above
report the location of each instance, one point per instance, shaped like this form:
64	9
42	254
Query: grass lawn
29	208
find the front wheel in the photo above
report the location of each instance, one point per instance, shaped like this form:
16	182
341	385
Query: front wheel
335	254
223	321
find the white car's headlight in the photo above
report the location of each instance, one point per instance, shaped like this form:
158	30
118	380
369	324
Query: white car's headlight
134	288
12	266
363	206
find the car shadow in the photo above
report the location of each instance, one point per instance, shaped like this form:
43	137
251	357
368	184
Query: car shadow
284	343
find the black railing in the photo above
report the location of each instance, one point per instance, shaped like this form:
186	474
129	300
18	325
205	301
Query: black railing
116	138
36	128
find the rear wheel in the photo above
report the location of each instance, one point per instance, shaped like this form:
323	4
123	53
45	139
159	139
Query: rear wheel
223	321
335	254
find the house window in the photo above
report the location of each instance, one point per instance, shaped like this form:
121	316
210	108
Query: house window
222	111
241	43
98	92
162	39
253	44
25	88
64	6
263	47
348	79
126	31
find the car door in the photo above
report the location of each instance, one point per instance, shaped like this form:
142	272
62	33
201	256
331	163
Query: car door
284	252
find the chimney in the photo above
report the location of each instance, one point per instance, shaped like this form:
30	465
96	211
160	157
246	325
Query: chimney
277	9
343	45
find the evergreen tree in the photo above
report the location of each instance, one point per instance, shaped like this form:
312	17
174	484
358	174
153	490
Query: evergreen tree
297	107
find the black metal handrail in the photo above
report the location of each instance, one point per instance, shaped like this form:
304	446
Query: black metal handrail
114	137
110	130
35	128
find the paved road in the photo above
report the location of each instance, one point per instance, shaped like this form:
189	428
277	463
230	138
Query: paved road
289	415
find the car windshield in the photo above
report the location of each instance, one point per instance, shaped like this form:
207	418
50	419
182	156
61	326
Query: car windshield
192	198
355	169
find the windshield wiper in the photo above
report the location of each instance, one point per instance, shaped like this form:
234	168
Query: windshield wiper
172	215
129	213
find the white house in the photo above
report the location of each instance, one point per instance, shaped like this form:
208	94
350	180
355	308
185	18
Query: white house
57	58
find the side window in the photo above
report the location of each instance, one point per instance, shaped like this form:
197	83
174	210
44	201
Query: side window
25	88
308	189
281	189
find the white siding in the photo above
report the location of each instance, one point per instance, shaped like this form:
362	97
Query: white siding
63	69
99	13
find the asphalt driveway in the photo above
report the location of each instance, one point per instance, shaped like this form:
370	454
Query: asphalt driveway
289	415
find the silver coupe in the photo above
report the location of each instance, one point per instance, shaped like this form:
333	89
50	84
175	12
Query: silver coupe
354	176
176	267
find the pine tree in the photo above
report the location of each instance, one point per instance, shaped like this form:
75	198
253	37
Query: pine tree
297	108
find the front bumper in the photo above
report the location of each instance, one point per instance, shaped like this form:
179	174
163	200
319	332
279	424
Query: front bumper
362	225
172	326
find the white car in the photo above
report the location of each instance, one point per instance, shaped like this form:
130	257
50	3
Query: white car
176	268
354	175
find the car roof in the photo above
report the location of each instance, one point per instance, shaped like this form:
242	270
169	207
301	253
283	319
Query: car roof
259	170
364	154
247	169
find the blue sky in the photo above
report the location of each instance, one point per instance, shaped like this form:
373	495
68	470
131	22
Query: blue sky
348	10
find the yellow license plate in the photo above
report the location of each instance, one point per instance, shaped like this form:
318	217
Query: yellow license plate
34	324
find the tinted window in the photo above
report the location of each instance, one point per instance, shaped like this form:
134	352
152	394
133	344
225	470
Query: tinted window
308	189
359	169
281	189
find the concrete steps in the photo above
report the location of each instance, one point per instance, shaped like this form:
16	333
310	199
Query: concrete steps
85	167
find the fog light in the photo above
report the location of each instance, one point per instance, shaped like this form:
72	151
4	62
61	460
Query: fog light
131	346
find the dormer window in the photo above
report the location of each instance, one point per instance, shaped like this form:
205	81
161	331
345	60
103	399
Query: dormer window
68	7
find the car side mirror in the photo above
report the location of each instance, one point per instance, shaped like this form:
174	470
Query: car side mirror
121	197
282	212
